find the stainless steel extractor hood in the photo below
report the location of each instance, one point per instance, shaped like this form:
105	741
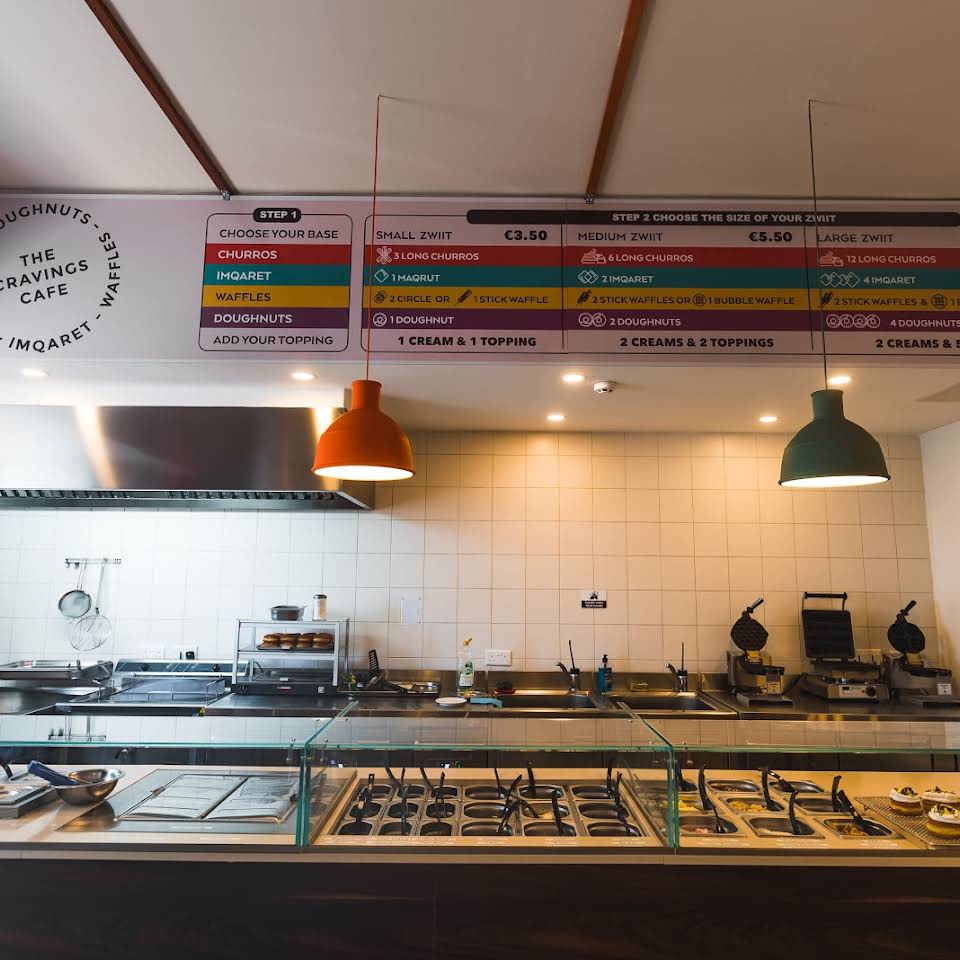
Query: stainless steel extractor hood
188	457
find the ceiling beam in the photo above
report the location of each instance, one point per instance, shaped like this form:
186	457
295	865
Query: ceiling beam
118	33
625	51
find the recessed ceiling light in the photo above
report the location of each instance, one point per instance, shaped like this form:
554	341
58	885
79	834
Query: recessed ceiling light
840	380
33	373
556	417
303	375
573	378
768	418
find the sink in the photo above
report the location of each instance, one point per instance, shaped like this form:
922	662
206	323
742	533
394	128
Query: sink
547	699
653	702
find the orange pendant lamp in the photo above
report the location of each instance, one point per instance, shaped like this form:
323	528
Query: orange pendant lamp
365	444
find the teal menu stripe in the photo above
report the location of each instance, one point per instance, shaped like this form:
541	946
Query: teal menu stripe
599	277
460	276
844	278
289	274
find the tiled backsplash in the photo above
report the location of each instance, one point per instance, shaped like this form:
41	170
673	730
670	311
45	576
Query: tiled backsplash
499	534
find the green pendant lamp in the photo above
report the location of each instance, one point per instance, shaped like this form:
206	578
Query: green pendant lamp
830	451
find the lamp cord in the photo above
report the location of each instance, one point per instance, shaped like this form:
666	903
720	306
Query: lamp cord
373	234
816	240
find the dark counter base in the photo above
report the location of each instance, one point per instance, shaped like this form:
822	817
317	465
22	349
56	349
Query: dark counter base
224	911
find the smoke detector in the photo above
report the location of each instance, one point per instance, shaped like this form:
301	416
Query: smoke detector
605	386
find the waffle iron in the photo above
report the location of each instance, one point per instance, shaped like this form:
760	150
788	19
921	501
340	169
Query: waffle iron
753	678
835	672
911	678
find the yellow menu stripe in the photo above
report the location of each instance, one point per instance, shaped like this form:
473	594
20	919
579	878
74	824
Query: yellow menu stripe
873	299
512	298
694	298
275	296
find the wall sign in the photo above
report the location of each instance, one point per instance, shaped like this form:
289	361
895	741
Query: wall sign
469	278
276	280
59	274
444	285
593	599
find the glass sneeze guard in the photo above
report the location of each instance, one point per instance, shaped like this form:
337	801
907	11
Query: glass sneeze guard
438	780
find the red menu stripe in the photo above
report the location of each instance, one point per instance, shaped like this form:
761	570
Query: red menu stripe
906	259
266	253
477	255
622	257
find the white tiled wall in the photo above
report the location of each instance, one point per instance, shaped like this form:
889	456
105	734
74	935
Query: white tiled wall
499	534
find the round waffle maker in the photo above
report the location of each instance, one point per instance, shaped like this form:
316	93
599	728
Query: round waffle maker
751	675
906	637
748	634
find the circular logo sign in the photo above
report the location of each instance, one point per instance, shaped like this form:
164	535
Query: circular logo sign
59	274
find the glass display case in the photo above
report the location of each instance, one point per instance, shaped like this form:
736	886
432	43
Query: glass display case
186	782
483	783
811	787
289	656
471	782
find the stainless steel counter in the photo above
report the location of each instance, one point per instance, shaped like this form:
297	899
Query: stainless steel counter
240	705
20	699
807	707
23	700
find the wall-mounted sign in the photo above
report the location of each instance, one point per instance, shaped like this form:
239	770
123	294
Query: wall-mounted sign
474	278
59	275
593	600
275	280
444	285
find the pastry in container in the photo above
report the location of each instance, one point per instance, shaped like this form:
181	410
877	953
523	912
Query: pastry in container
944	820
906	800
931	798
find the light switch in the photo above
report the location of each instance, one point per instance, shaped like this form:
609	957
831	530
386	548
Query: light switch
411	609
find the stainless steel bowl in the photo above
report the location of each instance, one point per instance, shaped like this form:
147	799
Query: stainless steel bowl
286	612
93	785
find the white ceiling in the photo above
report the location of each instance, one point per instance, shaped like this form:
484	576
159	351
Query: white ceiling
517	396
498	97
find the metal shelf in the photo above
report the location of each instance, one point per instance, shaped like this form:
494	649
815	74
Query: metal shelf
246	648
303	651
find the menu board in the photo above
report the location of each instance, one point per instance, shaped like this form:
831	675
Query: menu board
890	283
276	280
447	278
439	284
688	282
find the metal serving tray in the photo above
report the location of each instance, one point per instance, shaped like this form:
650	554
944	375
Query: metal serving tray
203	810
56	670
915	826
472	808
23	793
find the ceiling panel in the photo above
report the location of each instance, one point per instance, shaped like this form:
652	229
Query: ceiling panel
73	116
502	96
491	396
717	105
498	97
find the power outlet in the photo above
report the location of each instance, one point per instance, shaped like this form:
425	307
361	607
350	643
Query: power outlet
185	653
497	658
411	609
153	653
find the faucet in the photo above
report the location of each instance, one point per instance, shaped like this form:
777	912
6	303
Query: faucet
680	678
573	674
